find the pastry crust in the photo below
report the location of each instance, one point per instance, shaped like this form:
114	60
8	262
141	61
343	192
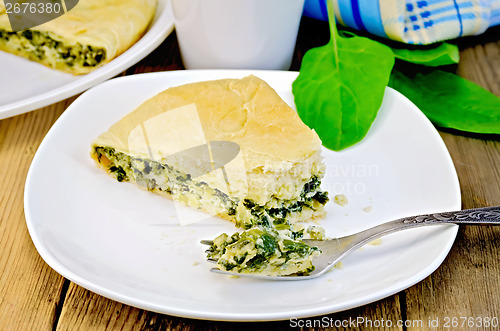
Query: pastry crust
247	111
109	25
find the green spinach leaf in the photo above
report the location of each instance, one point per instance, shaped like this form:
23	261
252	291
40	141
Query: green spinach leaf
341	85
450	101
434	55
442	54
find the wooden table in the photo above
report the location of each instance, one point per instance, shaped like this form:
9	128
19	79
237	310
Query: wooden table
467	284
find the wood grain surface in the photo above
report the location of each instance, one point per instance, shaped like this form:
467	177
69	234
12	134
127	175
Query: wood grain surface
467	284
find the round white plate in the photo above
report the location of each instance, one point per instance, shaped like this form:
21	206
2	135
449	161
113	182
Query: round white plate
27	85
127	244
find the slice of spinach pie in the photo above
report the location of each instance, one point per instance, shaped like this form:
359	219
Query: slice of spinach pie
159	147
83	39
229	147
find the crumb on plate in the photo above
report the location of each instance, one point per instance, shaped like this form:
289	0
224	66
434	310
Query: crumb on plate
368	209
340	200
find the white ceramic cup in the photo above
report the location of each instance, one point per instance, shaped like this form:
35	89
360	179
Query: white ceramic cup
237	34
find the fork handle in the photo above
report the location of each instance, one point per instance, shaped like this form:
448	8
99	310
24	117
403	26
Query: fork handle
477	216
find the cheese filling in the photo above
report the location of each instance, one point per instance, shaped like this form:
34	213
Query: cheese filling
40	46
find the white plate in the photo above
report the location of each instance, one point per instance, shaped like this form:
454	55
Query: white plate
127	244
27	85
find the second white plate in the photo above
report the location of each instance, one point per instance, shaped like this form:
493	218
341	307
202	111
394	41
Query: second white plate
127	244
27	85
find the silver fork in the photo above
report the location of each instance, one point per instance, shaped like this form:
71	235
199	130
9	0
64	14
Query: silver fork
333	250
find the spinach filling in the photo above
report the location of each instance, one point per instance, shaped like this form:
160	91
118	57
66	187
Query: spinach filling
264	250
36	44
148	174
270	245
153	176
263	216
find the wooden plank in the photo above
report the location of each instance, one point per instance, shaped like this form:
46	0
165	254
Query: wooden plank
84	310
381	315
480	59
164	58
29	288
468	282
